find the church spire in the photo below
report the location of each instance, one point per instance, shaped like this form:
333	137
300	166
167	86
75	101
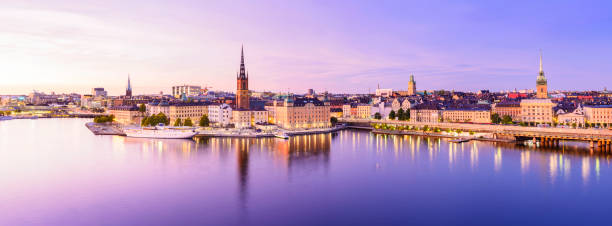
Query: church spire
128	90
242	73
129	86
541	69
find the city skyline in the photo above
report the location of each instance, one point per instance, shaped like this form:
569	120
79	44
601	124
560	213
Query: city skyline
344	48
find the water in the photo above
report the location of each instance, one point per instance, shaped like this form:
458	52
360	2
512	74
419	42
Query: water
55	172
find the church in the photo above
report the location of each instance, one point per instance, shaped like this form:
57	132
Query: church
245	115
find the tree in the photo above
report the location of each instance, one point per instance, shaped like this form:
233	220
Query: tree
178	122
495	119
507	119
144	121
392	114
204	121
142	108
104	118
400	114
407	114
188	122
377	116
333	120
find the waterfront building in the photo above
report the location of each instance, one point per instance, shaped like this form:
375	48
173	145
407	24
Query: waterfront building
537	110
466	114
541	83
573	117
427	112
411	87
301	113
249	118
598	114
356	111
182	110
509	108
127	115
186	90
128	90
220	114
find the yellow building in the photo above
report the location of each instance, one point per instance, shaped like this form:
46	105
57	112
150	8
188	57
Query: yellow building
302	113
598	113
475	115
127	115
357	111
182	110
537	110
249	118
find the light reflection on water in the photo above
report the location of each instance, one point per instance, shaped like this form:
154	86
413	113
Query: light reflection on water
45	174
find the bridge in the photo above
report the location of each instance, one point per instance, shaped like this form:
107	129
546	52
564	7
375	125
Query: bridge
546	136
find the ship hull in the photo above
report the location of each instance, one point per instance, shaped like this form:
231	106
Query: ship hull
160	134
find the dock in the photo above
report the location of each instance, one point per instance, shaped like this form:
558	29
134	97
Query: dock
104	129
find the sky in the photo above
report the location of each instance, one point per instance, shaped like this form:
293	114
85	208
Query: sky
338	46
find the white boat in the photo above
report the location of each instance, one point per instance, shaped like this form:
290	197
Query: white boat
161	132
281	135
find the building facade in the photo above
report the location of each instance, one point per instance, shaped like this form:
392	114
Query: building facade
426	113
356	111
598	114
537	110
249	118
182	110
403	103
512	109
467	115
302	113
220	114
127	115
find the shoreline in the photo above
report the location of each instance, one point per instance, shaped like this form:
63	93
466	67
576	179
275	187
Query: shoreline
433	134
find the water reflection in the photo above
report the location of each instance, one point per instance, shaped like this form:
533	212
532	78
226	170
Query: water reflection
304	176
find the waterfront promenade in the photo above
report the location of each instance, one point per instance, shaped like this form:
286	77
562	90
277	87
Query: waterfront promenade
551	136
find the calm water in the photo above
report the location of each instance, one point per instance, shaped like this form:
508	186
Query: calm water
55	172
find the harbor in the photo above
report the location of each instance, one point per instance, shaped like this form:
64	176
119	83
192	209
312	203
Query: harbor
119	130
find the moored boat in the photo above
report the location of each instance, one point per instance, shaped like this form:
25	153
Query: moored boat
161	132
281	135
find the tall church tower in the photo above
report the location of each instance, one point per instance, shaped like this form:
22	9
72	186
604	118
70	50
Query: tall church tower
242	91
541	83
411	86
128	90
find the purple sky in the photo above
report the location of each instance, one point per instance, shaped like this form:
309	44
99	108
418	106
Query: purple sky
339	46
